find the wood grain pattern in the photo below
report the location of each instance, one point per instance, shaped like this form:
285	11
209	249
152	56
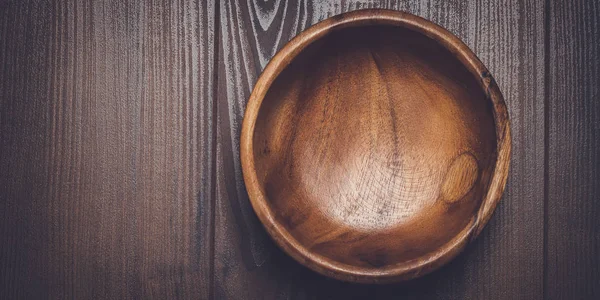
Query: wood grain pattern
508	37
106	154
109	124
573	151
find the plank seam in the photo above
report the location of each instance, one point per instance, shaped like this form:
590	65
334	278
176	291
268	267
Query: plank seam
547	14
215	111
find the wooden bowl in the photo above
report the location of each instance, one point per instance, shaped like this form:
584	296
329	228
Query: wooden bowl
375	146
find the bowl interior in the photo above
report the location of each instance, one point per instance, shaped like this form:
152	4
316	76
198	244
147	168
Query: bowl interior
374	147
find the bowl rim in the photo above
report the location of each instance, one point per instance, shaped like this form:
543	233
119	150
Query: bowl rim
408	269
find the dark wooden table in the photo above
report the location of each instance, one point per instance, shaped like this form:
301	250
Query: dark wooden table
119	150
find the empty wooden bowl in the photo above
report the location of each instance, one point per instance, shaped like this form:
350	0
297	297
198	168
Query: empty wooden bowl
375	146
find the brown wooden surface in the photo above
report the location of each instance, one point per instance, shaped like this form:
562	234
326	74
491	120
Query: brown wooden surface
106	152
119	154
573	151
515	271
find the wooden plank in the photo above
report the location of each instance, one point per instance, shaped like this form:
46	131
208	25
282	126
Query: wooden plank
505	262
106	138
573	226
